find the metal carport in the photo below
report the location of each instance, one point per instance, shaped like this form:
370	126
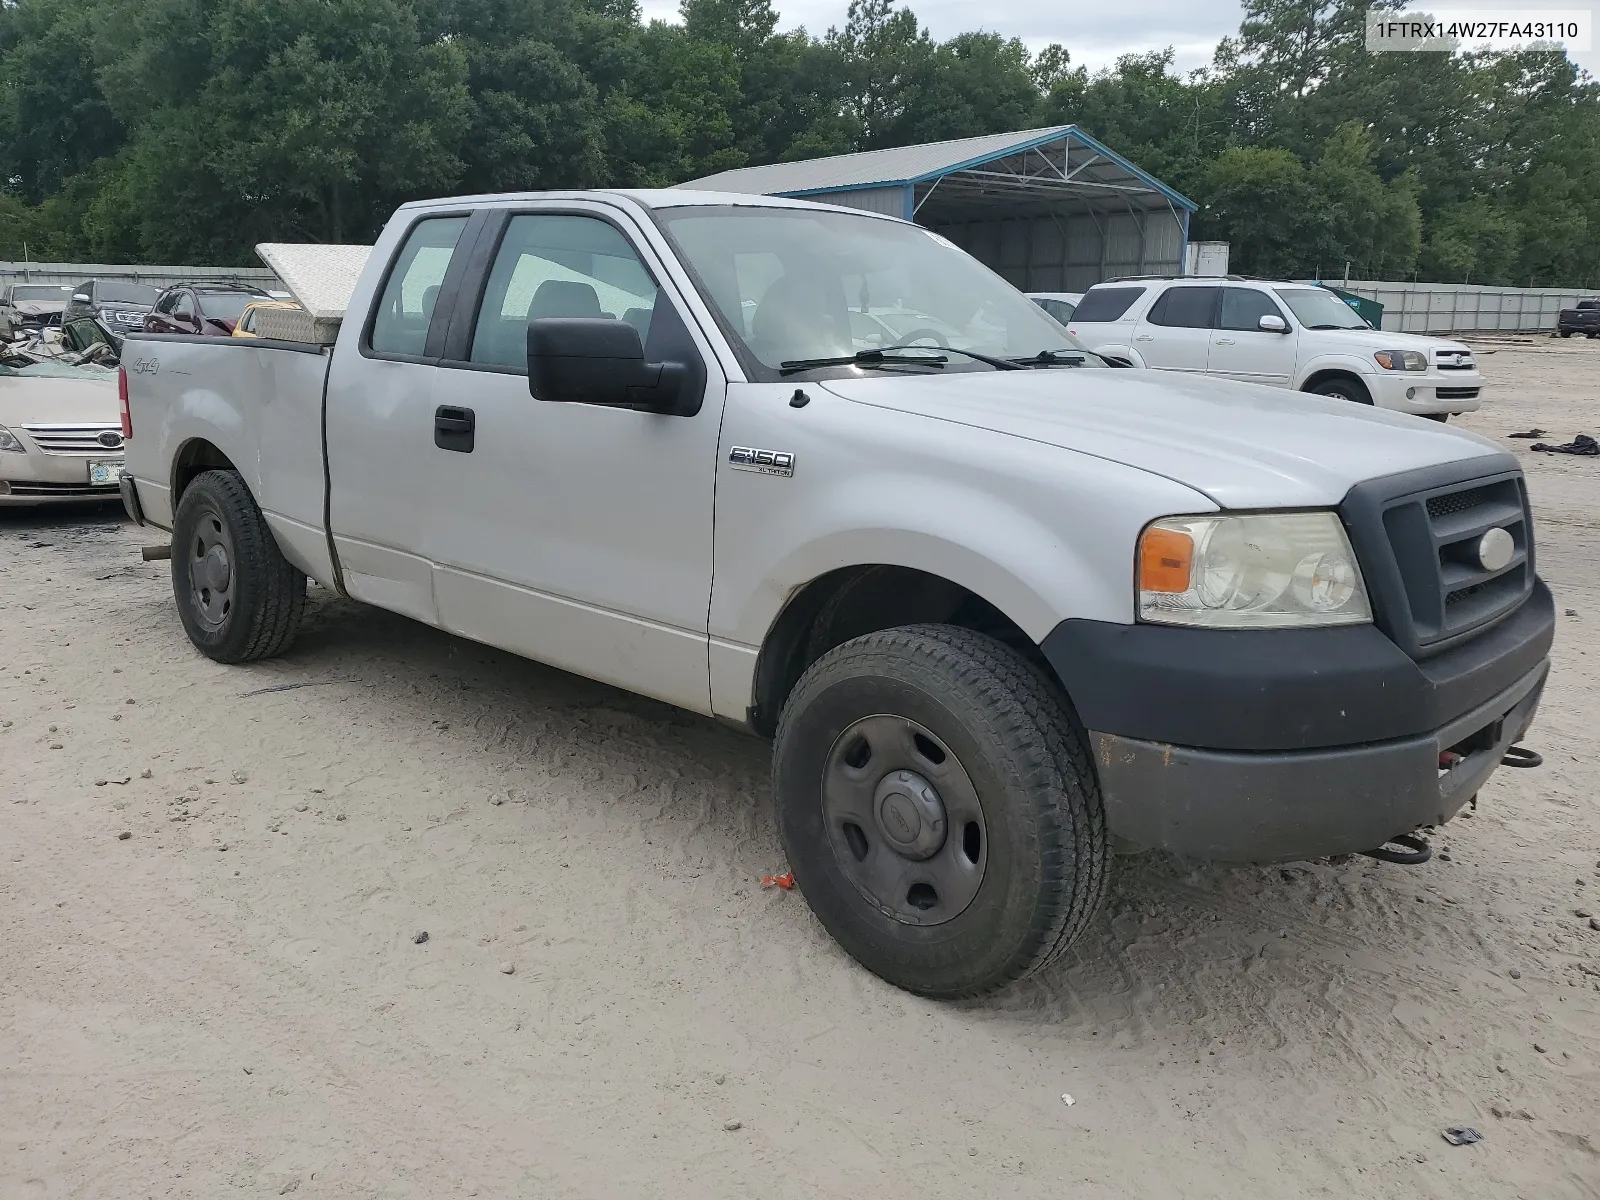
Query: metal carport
1052	210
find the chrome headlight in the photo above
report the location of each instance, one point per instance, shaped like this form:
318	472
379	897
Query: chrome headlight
1401	360
1250	571
8	441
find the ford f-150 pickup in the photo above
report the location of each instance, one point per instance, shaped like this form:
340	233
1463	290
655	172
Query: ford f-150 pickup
996	627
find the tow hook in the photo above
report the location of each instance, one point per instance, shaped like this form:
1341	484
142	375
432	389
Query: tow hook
1416	852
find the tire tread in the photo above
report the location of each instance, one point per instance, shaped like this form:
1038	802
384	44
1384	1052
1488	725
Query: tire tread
1028	715
273	619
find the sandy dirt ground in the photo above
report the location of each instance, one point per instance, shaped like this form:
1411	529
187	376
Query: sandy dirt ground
210	879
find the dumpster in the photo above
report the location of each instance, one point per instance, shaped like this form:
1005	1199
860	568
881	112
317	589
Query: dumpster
1369	311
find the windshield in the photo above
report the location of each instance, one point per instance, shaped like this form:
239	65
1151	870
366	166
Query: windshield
226	306
39	291
792	285
125	293
1317	308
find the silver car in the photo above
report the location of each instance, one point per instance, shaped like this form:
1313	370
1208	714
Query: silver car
60	434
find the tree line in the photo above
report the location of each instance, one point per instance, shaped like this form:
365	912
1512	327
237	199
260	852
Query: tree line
188	131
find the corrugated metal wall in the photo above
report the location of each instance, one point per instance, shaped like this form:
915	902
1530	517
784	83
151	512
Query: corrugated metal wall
1049	254
890	201
1453	307
16	272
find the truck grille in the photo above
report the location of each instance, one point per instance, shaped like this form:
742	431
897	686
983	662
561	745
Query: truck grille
104	441
1418	537
1454	360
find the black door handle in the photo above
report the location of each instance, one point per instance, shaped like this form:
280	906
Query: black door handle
454	428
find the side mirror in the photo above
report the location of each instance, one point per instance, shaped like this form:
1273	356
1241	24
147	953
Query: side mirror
600	360
81	297
1274	324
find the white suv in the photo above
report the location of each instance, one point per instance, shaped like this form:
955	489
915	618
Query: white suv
1288	335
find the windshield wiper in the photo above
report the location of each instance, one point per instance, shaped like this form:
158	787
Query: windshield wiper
1055	358
885	356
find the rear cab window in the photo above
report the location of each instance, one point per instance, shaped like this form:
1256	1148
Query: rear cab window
400	324
1105	304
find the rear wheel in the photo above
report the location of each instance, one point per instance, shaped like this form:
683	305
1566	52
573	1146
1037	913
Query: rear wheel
1342	389
939	809
1566	333
238	598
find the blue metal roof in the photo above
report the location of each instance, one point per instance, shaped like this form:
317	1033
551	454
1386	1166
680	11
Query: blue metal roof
908	166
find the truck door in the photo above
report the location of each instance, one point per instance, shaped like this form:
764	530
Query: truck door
1175	335
575	534
384	501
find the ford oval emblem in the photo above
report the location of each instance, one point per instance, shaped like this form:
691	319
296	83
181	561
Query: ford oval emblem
1495	549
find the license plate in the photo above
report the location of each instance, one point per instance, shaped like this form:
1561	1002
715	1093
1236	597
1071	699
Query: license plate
104	471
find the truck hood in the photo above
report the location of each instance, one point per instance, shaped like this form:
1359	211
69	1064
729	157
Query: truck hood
1243	445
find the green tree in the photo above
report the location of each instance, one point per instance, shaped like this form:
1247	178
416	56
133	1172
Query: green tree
1359	219
1259	201
1475	241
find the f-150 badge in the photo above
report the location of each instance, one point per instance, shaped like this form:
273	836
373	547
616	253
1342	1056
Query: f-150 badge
763	462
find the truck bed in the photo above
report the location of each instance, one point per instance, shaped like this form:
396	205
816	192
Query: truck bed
262	400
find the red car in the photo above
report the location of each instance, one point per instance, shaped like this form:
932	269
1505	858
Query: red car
207	309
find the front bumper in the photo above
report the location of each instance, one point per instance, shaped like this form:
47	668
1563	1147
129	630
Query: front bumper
35	478
1271	745
1429	391
1237	807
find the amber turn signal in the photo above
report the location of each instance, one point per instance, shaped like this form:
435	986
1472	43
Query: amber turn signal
1166	558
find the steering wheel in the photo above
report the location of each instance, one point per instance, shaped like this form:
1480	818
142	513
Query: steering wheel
919	335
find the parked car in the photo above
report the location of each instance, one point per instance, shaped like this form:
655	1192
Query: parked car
25	306
997	605
60	434
119	305
1281	334
1060	305
206	309
1584	319
245	327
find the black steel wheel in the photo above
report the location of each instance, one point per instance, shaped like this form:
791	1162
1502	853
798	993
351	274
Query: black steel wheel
939	809
238	598
210	552
904	820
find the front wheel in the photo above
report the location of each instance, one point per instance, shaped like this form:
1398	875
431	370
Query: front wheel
237	596
1342	389
939	809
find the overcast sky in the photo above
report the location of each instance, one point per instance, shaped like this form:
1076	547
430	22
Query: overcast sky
1095	33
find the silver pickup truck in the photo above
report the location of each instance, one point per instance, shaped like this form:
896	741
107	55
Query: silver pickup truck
819	474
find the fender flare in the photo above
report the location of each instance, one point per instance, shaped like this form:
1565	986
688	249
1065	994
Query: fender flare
1347	364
